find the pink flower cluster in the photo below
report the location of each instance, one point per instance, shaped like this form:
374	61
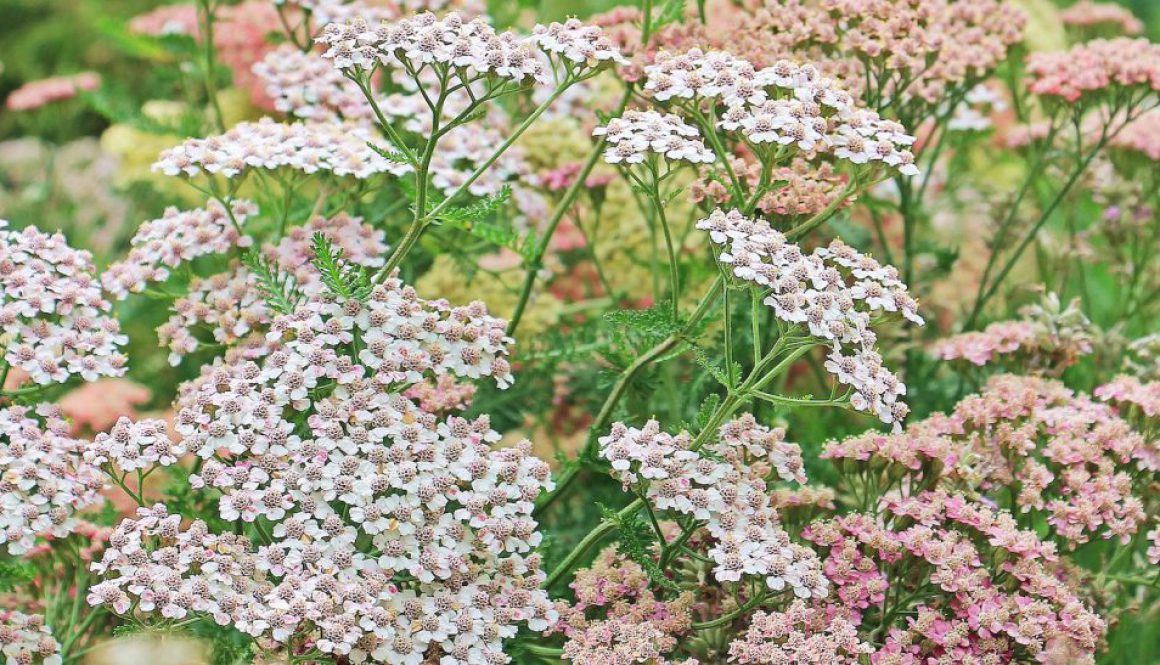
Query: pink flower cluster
314	147
784	105
52	310
982	347
989	592
133	446
1031	441
36	94
43	480
1094	67
913	49
1141	136
617	618
1086	13
176	238
231	306
395	533
1048	336
727	490
833	293
634	135
25	639
1131	392
800	633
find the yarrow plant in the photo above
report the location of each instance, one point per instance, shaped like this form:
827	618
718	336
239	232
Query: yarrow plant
794	331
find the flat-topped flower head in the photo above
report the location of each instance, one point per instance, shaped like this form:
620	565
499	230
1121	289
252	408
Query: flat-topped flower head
176	238
800	633
834	293
306	86
1088	14
1035	443
424	39
53	312
1047	338
636	134
35	94
725	488
784	105
904	50
990	592
576	42
396	533
1095	67
309	148
43	480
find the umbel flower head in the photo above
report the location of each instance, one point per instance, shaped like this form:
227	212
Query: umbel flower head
43	480
1092	68
999	593
390	533
833	292
725	486
52	313
471	47
634	135
1034	442
784	105
311	147
424	39
175	238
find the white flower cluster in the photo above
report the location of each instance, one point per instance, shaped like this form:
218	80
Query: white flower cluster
177	237
43	480
833	292
25	639
52	313
784	104
396	535
424	39
134	446
579	43
306	86
231	306
726	490
310	147
632	136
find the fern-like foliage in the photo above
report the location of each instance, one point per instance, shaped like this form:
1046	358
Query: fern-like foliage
278	288
636	542
340	277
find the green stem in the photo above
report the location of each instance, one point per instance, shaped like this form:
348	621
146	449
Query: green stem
728	618
626	377
208	9
589	540
558	213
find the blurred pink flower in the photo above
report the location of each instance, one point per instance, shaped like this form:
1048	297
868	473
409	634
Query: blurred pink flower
34	94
